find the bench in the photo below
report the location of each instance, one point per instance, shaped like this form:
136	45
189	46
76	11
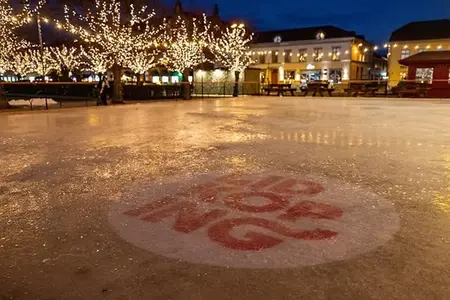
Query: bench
318	87
364	89
415	89
280	89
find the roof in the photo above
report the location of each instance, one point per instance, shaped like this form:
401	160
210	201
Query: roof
307	33
424	30
379	56
435	57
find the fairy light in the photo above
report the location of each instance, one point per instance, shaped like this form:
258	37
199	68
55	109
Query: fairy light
9	21
141	62
230	47
186	40
97	61
69	58
113	29
42	64
20	64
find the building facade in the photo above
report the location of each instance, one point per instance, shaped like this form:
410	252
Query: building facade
314	53
413	38
378	70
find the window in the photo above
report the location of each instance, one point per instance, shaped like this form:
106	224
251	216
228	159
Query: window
274	57
289	75
288	56
424	74
405	53
357	72
262	58
302	55
335	53
335	75
318	53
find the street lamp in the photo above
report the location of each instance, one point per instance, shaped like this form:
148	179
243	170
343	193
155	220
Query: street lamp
41	43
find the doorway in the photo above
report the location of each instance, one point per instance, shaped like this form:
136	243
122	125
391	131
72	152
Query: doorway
274	77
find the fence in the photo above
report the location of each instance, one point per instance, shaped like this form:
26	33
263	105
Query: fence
64	95
225	88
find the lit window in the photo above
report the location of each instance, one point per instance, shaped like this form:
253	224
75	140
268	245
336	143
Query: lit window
262	58
288	56
302	55
274	57
318	53
405	53
336	53
424	74
155	79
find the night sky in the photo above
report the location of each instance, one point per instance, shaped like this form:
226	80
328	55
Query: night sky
375	20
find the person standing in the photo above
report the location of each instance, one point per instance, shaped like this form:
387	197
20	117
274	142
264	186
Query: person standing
104	88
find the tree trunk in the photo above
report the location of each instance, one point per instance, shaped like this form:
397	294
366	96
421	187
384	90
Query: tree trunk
65	74
3	100
186	88
117	84
140	79
236	84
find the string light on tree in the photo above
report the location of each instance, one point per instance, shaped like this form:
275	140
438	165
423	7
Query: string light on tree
21	64
186	42
96	60
141	62
42	64
9	21
67	58
230	48
116	31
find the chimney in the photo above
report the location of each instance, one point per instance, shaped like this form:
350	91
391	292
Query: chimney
216	10
178	7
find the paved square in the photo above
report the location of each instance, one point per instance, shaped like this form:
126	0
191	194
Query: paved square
248	198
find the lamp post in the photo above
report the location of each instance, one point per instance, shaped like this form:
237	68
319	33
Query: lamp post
41	43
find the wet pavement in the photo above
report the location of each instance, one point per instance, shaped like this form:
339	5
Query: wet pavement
254	198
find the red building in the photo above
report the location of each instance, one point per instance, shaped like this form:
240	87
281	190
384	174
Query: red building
432	67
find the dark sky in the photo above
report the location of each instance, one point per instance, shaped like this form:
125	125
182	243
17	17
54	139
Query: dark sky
374	19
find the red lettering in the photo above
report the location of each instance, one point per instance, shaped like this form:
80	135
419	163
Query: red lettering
187	216
237	201
211	195
287	187
221	234
312	210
